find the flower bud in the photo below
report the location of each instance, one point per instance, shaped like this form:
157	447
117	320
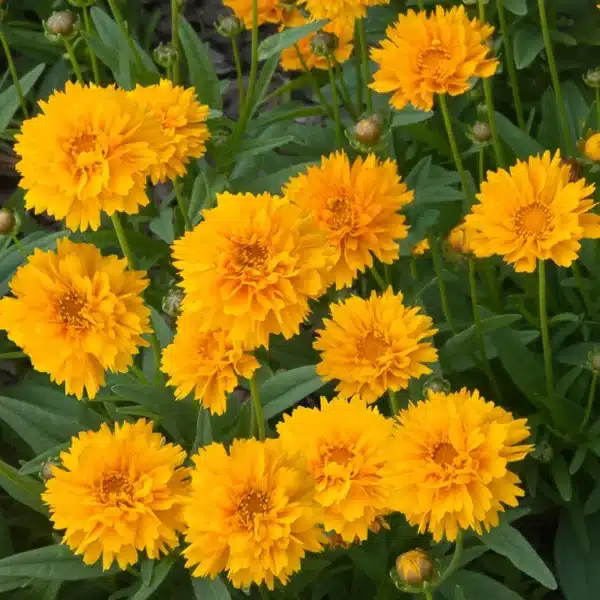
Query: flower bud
229	26
543	452
46	470
482	112
60	25
7	222
594	360
368	131
165	55
171	303
591	147
323	43
414	567
592	78
481	132
436	385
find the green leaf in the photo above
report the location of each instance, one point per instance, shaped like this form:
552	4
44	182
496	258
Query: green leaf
206	186
274	44
577	354
55	563
459	594
410	116
210	589
272	182
286	389
517	7
507	541
562	479
22	488
477	585
158	575
520	143
35	464
9	99
264	80
488	324
528	43
201	70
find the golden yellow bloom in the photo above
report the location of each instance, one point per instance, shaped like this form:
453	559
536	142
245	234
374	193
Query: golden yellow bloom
414	567
374	345
205	362
269	11
349	450
345	9
183	128
459	239
535	211
356	205
76	314
591	147
344	32
420	248
438	53
251	513
453	452
119	492
89	151
252	265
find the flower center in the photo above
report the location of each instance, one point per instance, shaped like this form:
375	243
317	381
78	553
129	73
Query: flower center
444	454
372	346
339	454
532	220
86	142
252	256
433	59
253	503
70	309
115	487
340	209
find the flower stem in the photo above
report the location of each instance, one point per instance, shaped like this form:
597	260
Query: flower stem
13	73
421	4
544	327
18	244
496	143
313	83
598	105
464	180
590	402
364	57
346	97
481	163
587	301
560	103
181	205
93	59
393	402
358	68
175	8
378	278
120	232
257	407
336	105
510	64
458	548
437	267
73	60
12	355
428	593
238	69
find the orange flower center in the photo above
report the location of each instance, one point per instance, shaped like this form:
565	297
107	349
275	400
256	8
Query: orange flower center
251	256
115	487
444	454
532	220
372	346
70	310
86	142
253	503
341	213
431	60
339	454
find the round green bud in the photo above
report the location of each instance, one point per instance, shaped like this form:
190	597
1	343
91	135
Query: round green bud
61	25
229	26
592	78
7	222
165	55
481	132
323	43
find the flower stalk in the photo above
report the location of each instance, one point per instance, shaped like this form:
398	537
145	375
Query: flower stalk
257	408
238	69
364	54
73	59
175	41
544	327
590	402
181	204
336	104
314	84
13	73
394	409
437	267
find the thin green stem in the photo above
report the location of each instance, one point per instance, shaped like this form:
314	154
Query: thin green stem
481	163
414	273
181	205
114	7
238	69
73	59
598	105
12	355
510	64
458	548
393	396
464	180
358	68
346	97
590	402
560	103
378	278
257	407
582	289
421	4
364	57
313	83
544	327
428	593
336	104
155	344
93	60
13	73
437	267
175	8
122	238
18	244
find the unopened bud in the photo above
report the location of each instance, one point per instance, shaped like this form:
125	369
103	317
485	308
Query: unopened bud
323	43
171	303
481	132
7	222
592	78
414	567
46	470
591	147
61	24
594	360
436	385
229	26
368	131
165	55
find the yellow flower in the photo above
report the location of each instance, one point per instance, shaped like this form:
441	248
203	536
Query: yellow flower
89	151
344	32
269	11
349	450
535	211
453	452
251	513
119	492
374	345
437	54
183	128
591	147
76	313
459	239
356	205
252	266
346	9
205	362
420	248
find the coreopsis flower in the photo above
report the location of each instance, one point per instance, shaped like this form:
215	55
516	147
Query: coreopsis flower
205	362
349	451
420	248
453	453
269	11
374	345
252	266
356	205
183	126
116	493
459	239
345	9
591	147
251	513
439	53
89	151
76	314
533	211
342	32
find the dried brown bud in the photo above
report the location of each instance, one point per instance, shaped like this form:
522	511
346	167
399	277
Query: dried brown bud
368	131
61	22
481	132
